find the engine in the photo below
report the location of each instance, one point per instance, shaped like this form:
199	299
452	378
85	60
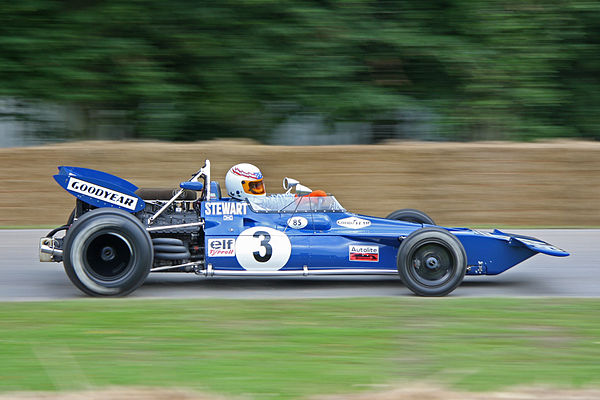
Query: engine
177	235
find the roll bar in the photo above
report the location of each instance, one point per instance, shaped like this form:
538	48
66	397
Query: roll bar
204	173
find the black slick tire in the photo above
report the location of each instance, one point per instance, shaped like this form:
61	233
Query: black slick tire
107	252
411	215
431	262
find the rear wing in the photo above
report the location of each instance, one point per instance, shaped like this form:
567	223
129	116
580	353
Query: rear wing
533	244
99	189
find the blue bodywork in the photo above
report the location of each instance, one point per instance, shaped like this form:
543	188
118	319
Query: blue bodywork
324	243
245	237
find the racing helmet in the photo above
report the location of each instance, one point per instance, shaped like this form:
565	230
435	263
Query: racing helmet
243	181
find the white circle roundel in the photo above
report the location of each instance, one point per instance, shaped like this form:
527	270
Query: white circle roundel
297	222
262	249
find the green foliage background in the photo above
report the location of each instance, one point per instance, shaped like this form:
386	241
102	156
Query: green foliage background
187	70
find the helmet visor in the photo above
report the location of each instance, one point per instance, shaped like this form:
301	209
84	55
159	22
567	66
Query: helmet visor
254	187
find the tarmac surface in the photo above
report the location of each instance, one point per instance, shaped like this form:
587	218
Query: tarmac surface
24	278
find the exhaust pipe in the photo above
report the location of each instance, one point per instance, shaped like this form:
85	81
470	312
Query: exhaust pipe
50	250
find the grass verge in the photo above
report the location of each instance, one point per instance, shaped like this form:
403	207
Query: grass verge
297	348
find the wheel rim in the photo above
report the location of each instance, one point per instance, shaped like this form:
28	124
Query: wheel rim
108	256
431	264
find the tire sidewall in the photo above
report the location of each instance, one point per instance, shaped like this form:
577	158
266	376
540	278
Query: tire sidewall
411	215
102	221
425	236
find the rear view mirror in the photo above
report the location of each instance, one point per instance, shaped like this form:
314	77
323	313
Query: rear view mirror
303	190
289	183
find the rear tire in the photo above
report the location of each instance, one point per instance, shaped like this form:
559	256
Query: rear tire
411	215
107	252
431	262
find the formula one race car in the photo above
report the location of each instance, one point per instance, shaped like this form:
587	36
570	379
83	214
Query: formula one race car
117	234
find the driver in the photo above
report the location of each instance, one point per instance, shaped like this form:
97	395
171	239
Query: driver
244	181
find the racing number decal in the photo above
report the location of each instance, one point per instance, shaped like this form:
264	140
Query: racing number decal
262	249
297	222
264	243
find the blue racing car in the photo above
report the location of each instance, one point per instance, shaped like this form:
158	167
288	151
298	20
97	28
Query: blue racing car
117	234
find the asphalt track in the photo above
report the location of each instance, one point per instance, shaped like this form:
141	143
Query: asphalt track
24	278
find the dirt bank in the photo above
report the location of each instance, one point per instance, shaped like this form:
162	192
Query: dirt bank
533	184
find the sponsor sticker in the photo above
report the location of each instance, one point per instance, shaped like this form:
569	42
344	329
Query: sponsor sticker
363	253
227	217
225	208
353	222
297	222
102	193
222	247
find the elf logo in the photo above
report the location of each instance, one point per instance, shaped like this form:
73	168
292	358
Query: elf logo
223	247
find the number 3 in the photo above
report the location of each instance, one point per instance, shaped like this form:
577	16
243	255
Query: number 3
262	249
264	243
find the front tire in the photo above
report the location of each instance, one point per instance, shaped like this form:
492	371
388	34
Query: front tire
107	252
431	262
411	215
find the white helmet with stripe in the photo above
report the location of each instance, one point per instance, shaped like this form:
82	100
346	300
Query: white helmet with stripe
243	181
